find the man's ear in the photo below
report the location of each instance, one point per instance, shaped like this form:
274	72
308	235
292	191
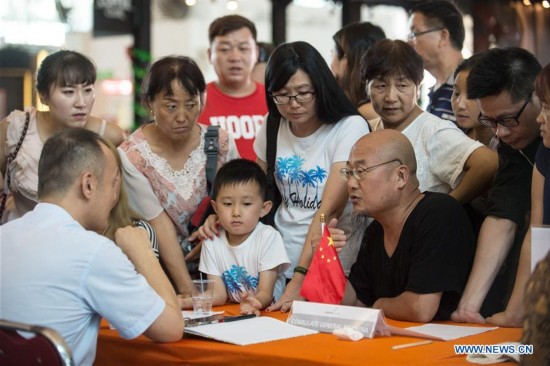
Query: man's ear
266	207
209	54
87	185
403	175
445	36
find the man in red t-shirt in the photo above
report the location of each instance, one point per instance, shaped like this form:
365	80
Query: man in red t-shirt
234	102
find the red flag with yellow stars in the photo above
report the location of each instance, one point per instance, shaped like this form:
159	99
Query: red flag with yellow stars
325	281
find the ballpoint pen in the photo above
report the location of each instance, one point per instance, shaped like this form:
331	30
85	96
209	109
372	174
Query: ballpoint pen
216	319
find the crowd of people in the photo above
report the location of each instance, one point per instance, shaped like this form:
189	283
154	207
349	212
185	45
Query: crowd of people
431	210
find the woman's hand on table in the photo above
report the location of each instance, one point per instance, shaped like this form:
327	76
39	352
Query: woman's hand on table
506	320
291	293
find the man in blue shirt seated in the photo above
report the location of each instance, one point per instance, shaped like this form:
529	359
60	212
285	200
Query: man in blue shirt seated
416	255
57	271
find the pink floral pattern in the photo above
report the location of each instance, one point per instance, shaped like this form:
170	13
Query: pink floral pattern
179	191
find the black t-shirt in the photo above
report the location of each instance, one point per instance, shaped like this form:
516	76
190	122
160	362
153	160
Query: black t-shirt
543	166
510	194
434	254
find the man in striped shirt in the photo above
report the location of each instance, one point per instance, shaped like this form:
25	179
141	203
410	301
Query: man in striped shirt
437	34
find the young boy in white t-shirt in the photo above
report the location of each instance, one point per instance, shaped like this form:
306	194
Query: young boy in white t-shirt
247	260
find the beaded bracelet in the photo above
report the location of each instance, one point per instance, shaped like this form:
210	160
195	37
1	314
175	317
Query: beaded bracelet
301	270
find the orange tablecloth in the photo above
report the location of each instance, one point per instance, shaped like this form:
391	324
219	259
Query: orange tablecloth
316	349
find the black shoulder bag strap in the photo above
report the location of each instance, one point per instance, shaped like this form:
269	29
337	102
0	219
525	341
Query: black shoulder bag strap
211	148
12	156
273	194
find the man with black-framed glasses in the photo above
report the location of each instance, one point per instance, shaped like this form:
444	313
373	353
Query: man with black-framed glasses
503	84
437	35
416	255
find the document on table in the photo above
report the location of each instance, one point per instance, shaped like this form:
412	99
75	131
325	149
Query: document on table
250	331
441	332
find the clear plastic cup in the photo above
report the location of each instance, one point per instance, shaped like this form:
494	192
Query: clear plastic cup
203	290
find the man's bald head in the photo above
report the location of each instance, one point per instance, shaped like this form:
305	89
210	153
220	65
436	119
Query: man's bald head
386	145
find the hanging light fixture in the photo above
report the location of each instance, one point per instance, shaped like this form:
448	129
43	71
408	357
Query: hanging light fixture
527	2
545	4
232	5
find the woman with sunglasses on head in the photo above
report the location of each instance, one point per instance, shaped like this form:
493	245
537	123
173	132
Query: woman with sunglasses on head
65	84
317	127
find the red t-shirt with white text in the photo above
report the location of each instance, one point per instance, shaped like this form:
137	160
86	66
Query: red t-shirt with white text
241	117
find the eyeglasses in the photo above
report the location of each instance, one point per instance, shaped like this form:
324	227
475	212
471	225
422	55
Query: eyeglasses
299	98
413	35
361	173
504	121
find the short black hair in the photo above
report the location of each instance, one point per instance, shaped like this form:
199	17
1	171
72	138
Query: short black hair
443	13
230	23
468	63
392	58
65	156
240	171
510	69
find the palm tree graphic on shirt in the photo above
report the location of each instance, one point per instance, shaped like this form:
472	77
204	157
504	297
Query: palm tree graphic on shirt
237	279
292	177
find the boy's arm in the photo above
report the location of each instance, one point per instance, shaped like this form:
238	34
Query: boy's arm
220	293
252	303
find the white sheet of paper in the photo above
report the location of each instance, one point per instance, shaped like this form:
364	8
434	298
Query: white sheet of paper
540	244
191	314
250	331
448	332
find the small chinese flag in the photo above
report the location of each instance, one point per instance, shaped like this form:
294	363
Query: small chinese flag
325	281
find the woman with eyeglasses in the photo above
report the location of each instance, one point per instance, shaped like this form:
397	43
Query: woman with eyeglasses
317	127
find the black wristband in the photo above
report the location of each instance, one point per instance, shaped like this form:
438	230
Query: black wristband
301	270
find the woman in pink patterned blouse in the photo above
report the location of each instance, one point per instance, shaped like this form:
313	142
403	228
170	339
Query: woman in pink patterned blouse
164	161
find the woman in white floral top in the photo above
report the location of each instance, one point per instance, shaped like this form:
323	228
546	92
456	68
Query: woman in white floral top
164	161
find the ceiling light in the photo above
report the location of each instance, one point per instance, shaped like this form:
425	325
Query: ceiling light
232	5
